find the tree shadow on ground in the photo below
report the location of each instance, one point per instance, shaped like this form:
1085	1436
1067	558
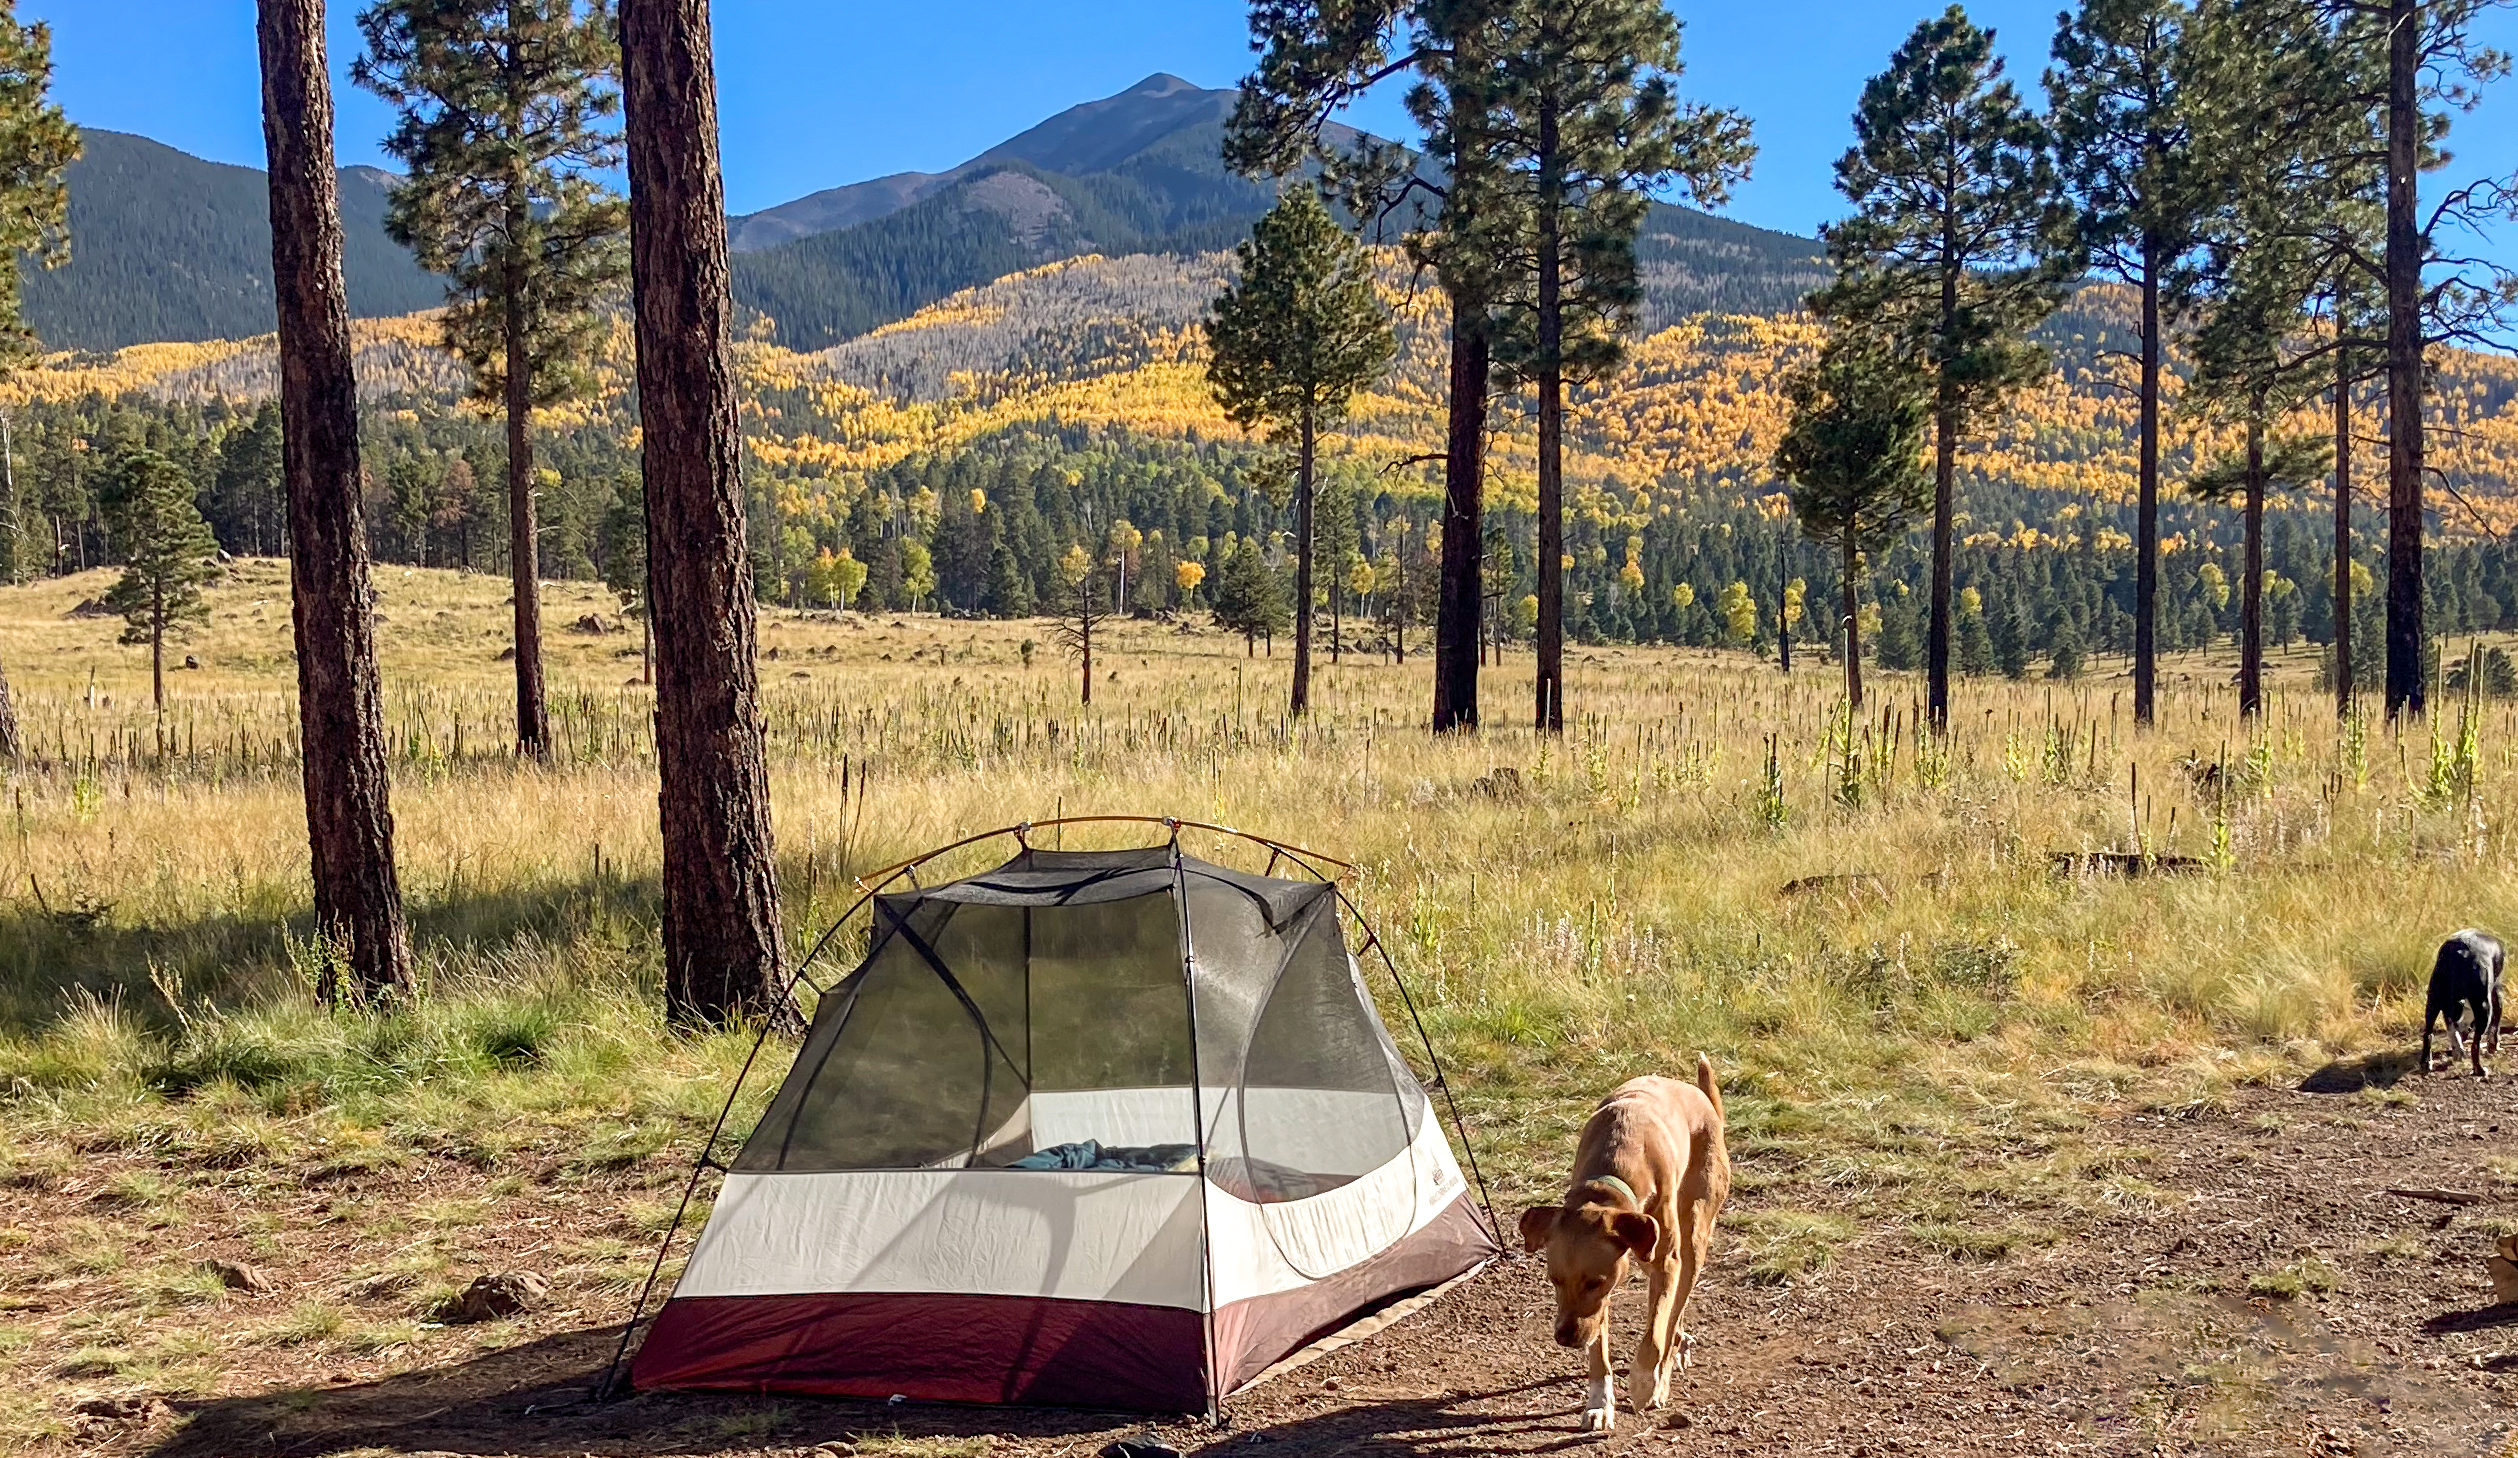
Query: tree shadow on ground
537	1399
2351	1075
48	953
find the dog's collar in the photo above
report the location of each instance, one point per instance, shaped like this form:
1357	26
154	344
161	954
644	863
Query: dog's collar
1619	1185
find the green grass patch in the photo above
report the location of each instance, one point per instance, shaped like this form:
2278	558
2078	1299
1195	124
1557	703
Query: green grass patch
1783	1246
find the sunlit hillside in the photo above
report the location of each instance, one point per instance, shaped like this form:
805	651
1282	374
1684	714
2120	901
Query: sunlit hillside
1115	343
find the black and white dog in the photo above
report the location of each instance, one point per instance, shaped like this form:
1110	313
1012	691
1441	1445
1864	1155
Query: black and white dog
2467	975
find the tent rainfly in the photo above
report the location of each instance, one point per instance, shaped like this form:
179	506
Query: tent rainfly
1093	1129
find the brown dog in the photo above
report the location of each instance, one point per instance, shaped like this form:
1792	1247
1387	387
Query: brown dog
1650	1174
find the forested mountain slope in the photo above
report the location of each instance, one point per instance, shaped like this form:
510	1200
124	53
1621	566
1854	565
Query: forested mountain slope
166	246
1138	172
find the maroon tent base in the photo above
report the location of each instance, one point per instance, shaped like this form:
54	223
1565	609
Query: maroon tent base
1039	1351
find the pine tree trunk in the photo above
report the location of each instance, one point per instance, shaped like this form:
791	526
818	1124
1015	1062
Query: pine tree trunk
1302	569
1551	373
1944	506
524	564
2146	529
1853	625
2342	523
1937	632
349	813
1783	607
1458	647
2251	591
2405	690
157	658
724	957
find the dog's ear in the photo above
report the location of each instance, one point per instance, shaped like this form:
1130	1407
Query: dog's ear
1636	1231
1537	1224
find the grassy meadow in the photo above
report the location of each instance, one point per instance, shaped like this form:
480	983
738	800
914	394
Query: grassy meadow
1916	1047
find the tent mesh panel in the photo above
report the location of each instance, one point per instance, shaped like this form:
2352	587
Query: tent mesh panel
1038	1016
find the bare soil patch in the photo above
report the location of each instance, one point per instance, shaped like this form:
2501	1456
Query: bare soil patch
2267	1296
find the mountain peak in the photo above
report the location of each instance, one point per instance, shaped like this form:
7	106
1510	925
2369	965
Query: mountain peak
1161	83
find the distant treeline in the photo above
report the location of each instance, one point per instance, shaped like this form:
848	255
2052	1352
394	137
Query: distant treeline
987	531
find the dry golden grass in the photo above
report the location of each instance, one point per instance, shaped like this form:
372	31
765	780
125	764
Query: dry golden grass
1928	1039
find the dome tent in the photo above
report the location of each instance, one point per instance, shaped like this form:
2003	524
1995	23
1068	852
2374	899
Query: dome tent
1112	1129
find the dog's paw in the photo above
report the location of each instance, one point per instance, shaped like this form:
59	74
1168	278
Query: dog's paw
1599	1407
1682	1352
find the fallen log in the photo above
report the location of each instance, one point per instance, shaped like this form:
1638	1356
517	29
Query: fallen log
2125	863
2443	1197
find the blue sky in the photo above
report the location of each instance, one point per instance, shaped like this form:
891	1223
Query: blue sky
816	93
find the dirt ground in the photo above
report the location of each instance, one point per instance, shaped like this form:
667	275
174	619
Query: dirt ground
2169	1327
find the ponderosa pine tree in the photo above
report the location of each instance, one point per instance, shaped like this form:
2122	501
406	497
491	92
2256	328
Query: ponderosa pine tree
341	727
2124	143
1959	244
1249	599
724	954
505	109
2287	108
2249	370
2393	73
37	146
168	556
1315	58
625	566
1574	120
1853	453
1293	341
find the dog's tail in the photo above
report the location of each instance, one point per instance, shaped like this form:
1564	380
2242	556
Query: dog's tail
1705	1082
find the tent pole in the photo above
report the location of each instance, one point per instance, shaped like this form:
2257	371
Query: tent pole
1198	1114
690	1187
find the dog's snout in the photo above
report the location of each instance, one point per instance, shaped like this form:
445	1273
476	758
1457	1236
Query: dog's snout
1568	1336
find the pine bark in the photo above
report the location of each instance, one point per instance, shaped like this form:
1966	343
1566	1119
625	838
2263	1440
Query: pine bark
1302	568
1944	501
2405	690
349	813
1853	623
724	958
1458	648
524	554
2146	528
1783	607
1550	714
2251	591
2342	531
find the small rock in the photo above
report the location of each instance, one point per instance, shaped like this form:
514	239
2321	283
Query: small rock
192	660
1501	783
237	1276
836	1449
594	624
1143	1445
133	1407
1678	1420
505	655
508	1293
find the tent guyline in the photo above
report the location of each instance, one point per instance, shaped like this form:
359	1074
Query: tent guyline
1111	1129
